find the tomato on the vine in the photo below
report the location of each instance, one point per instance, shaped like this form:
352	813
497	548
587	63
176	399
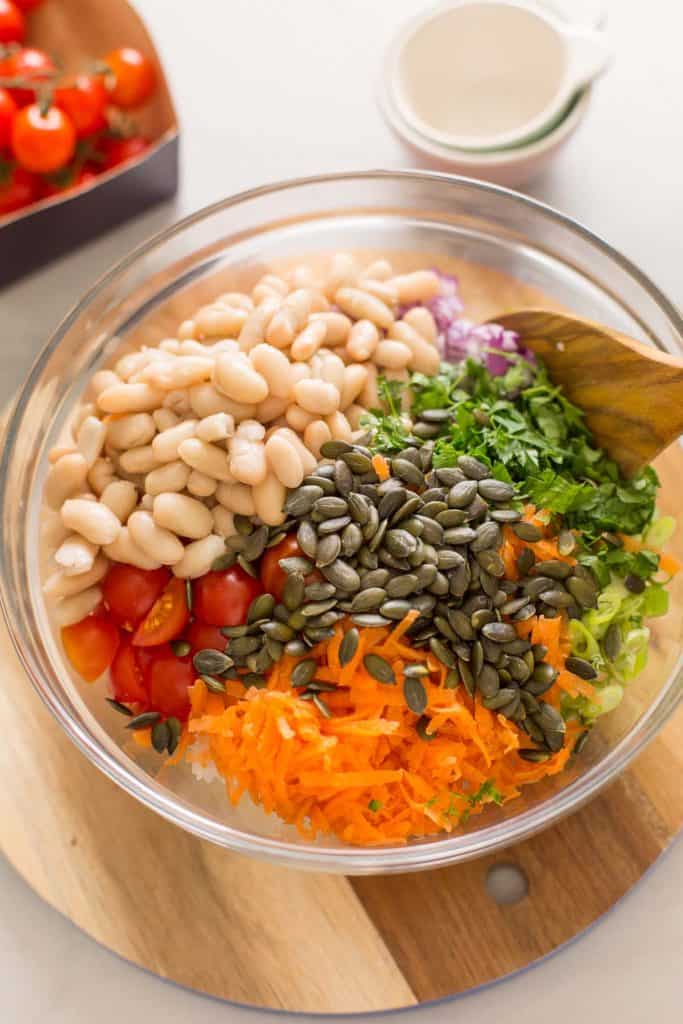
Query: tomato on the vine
18	188
167	617
168	681
128	675
69	180
222	598
43	141
201	636
84	100
29	64
132	77
273	577
129	592
12	23
8	109
90	645
117	151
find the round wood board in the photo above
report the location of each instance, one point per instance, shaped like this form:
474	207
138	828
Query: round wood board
269	937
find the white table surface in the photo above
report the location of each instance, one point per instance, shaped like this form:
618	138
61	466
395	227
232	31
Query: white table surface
268	89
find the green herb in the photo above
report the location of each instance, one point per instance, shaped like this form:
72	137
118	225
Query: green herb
375	805
487	793
389	433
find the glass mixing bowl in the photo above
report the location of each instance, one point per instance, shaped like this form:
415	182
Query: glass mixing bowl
150	291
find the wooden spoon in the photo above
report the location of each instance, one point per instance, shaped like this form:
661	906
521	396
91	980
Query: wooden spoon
632	394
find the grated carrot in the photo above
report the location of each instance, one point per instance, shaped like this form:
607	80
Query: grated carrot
381	467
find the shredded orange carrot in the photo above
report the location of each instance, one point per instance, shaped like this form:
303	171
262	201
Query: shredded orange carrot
381	467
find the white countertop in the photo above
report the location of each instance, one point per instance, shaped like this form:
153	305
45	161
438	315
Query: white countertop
268	89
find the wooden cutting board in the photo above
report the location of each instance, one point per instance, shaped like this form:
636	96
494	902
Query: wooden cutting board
274	938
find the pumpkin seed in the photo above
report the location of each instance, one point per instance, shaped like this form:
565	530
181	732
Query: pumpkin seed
426	431
408	472
255	544
189	599
488	681
566	542
473	468
211	662
379	668
534	756
581	742
505	515
303	673
277	631
329	549
161	737
295	564
416	669
482	617
370	528
400	543
333	449
491	562
118	706
301	501
534	587
243	645
358	507
225	561
275	648
378	536
544	673
510	607
180	648
315	608
330	507
295	648
500	699
449	475
351	540
611	643
143	720
174	732
407	509
459	535
553	568
212	684
557	598
255	680
525	560
369	620
415	694
307	538
293	591
329	526
462	494
499	632
391	502
442	652
580	667
357	462
528	532
395	609
342	575
261	608
584	593
260	661
488	536
368	600
401	586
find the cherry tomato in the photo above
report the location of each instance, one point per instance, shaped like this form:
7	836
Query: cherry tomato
273	577
201	636
27	63
84	100
223	598
12	23
28	5
166	619
119	151
169	679
133	77
128	675
43	142
71	179
18	188
130	592
8	109
90	645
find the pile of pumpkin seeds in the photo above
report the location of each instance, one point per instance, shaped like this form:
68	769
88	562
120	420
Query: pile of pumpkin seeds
426	539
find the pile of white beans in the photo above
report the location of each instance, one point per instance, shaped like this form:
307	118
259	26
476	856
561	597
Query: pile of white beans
224	418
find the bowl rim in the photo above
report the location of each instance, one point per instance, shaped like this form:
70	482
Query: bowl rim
344	859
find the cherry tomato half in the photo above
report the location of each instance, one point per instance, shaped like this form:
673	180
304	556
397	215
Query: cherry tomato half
120	151
273	577
166	619
18	188
169	679
200	636
90	645
128	675
43	142
27	63
84	100
8	109
133	77
223	598
130	592
12	23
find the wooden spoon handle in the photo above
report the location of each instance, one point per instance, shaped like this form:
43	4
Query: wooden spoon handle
631	393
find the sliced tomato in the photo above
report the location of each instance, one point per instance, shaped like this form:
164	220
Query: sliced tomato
169	679
91	645
130	592
223	598
128	675
167	617
200	636
273	577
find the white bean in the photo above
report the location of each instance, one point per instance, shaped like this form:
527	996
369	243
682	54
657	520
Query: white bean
337	327
52	530
171	345
247	460
237	498
165	445
274	367
369	396
256	323
307	460
299	371
131	363
343	271
340	428
236	300
199	556
182	372
182	515
65	477
72	609
363	340
206	400
55	454
216	427
360	305
272	409
251	430
124	549
283	460
298	419
315	435
238	380
59	585
131	431
317	396
94	521
163	420
269	499
424	357
353	414
76	555
121	497
419	286
102	380
290	318
308	341
380	270
424	323
383	290
171	476
101	474
219	321
160	544
206	458
223	522
179	402
301	276
201	485
275	283
392	355
147	502
90	438
139	460
187	329
332	370
130	398
355	377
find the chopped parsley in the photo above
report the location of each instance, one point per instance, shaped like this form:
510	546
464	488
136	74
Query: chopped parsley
375	805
